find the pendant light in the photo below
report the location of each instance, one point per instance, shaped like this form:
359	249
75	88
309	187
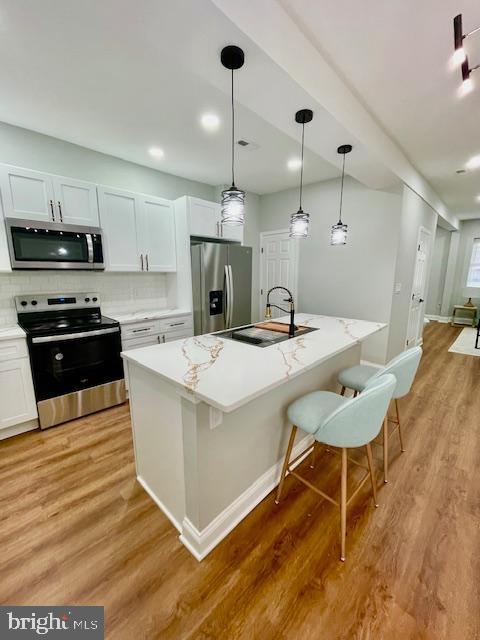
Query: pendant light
299	221
233	199
339	230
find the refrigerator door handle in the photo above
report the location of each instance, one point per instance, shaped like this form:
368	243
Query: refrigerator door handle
226	298
231	301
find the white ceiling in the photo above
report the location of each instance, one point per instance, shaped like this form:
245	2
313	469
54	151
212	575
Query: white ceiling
396	56
121	76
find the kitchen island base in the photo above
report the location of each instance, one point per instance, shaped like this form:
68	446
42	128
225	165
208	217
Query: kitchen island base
207	468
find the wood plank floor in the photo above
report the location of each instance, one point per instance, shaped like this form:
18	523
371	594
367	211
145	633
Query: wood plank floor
76	528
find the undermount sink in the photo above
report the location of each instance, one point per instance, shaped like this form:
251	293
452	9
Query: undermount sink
260	337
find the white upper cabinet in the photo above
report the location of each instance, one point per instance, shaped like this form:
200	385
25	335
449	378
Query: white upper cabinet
118	219
33	195
138	231
27	194
75	201
204	220
158	234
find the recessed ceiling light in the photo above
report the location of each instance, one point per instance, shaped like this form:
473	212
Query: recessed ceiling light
473	163
156	152
294	163
210	121
477	198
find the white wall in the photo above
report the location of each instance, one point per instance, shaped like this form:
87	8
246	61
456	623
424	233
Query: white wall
354	280
438	273
415	213
32	150
120	293
469	230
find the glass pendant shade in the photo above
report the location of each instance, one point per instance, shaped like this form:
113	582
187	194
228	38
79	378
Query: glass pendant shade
339	233
233	206
299	224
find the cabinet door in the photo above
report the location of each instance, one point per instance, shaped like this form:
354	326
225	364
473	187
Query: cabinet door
203	218
119	211
27	194
76	201
158	233
17	399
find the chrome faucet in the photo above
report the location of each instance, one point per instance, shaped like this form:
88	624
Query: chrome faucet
291	310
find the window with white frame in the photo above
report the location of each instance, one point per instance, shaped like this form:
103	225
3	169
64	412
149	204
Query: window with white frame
473	277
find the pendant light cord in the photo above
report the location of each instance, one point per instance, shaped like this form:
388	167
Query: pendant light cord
341	190
301	166
233	137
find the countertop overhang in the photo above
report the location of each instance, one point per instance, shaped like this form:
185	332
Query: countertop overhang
227	374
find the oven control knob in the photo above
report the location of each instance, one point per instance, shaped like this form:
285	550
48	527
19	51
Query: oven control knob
34	303
87	299
24	303
94	299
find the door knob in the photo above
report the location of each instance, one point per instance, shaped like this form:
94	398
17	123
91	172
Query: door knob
421	300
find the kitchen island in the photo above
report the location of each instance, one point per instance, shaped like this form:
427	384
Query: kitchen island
209	418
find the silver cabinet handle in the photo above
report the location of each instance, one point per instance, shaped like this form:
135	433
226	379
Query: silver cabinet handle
60	210
141	260
146	260
52	210
176	324
139	330
158	339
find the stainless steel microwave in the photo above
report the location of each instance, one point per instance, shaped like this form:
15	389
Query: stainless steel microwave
53	245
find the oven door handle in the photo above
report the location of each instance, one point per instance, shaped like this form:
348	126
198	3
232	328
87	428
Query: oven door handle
72	336
88	236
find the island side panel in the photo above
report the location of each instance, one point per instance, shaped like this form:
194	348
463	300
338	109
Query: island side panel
156	416
223	463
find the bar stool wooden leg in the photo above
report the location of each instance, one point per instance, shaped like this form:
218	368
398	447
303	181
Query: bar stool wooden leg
372	473
343	505
342	392
285	463
399	425
312	459
385	449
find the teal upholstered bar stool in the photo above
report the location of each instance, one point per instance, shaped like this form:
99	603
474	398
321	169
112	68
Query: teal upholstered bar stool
340	422
404	367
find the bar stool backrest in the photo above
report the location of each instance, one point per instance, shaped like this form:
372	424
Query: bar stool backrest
404	367
359	420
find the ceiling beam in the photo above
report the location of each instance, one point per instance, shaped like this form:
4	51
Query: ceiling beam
267	24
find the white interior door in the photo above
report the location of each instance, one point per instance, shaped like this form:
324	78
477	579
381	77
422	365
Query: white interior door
278	268
419	291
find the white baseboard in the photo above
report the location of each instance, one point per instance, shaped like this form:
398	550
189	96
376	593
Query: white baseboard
200	543
16	429
160	504
444	319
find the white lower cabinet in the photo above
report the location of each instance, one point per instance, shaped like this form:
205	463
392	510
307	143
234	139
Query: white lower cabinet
17	397
146	333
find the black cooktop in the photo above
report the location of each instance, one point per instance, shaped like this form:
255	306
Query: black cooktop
54	323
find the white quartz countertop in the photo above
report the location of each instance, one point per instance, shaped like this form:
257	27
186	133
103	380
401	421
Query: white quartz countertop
227	373
138	316
10	333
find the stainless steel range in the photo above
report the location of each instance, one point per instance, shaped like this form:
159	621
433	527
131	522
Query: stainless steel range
74	353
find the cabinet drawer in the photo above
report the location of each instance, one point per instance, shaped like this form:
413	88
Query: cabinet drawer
10	349
139	329
137	343
176	324
179	334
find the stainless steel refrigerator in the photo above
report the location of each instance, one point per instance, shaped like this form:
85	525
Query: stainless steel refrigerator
221	286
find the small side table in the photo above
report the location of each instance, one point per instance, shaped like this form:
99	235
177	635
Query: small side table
461	307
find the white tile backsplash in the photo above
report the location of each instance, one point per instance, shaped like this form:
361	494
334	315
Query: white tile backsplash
119	292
